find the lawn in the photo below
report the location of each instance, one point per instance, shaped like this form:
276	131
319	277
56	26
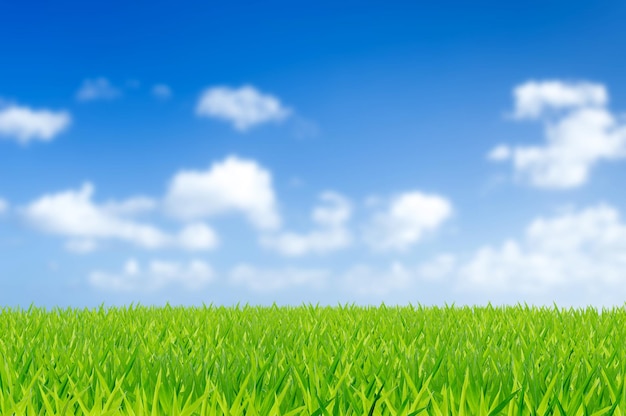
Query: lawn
313	360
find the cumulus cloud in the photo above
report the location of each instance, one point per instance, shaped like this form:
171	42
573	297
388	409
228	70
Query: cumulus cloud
499	153
584	249
97	89
24	124
405	221
73	214
533	98
365	280
272	280
331	217
162	91
4	206
157	275
334	211
578	136
130	207
244	107
233	185
198	236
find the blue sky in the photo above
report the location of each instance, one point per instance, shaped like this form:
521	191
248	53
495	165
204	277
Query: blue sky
312	152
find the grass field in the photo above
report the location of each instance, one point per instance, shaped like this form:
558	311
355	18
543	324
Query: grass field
308	360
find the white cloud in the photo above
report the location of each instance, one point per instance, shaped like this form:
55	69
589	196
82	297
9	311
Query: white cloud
534	98
364	280
73	214
97	89
335	211
4	206
157	275
331	234
162	91
130	207
231	185
244	107
578	137
500	153
585	250
198	236
438	268
81	246
272	280
23	124
405	221
318	241
575	144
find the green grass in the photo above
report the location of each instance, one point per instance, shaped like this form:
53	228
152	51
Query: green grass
313	361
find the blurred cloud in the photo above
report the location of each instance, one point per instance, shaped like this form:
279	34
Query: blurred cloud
162	91
405	220
158	274
580	134
232	185
331	235
97	89
583	249
244	107
273	280
24	124
535	98
73	214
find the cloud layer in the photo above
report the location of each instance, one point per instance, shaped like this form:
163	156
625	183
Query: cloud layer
581	250
579	129
584	249
233	185
368	281
406	219
158	274
533	99
74	215
24	124
244	107
272	280
97	89
330	235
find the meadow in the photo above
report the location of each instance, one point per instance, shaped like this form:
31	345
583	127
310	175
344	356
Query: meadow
313	360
